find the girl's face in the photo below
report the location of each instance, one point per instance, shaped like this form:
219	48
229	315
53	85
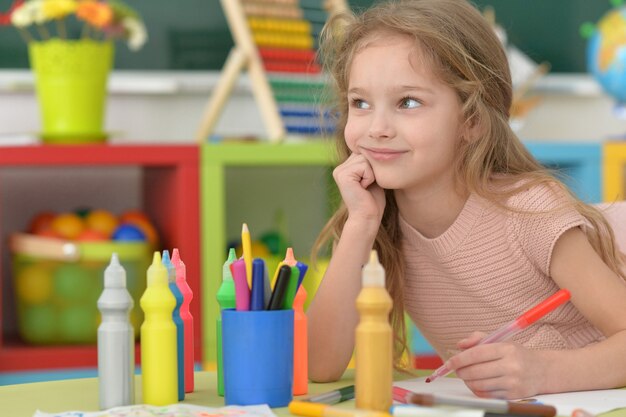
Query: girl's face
404	121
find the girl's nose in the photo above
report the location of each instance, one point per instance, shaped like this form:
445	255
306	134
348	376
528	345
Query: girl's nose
380	126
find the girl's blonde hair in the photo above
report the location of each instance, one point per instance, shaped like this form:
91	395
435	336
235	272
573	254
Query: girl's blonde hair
465	53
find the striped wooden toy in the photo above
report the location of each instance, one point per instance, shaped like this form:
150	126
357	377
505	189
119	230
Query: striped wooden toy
276	42
287	46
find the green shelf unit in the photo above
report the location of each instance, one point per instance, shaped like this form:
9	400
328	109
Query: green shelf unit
214	160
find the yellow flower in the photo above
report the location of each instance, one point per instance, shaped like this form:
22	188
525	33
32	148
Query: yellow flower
58	9
95	13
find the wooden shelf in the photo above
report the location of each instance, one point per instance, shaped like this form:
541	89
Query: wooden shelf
215	160
169	195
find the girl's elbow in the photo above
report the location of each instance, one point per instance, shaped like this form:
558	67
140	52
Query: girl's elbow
322	374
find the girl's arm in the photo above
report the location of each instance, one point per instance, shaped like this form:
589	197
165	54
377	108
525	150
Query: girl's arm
600	295
509	370
332	315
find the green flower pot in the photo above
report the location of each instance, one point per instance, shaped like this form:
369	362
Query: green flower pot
71	80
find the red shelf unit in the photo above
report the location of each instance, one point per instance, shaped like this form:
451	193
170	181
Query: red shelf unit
170	197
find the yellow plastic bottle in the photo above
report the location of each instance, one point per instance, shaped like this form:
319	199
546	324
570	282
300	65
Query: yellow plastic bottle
159	367
374	341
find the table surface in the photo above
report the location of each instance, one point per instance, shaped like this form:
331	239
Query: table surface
22	400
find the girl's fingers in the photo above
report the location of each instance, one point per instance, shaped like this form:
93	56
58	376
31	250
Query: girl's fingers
475	355
481	370
499	394
471	340
355	168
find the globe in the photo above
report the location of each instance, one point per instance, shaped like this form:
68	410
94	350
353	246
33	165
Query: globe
606	54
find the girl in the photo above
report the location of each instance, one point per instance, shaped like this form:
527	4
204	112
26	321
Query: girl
472	231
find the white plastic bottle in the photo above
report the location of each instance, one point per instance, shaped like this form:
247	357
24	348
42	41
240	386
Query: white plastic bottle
116	340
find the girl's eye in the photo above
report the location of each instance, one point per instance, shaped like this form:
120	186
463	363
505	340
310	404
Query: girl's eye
360	104
409	103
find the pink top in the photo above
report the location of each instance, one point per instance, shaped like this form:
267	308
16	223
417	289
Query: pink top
490	266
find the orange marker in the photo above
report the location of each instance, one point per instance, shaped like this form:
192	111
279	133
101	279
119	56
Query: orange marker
300	330
300	345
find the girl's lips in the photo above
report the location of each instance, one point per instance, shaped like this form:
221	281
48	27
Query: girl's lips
381	154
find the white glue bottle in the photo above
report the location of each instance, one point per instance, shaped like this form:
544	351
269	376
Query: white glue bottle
116	340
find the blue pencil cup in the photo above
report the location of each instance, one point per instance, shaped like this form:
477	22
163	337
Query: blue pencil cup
257	350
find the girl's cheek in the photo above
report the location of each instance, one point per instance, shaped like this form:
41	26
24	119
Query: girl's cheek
351	142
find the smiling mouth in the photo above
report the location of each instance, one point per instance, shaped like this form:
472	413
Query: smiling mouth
383	154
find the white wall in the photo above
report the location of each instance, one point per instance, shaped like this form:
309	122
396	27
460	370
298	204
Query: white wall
167	107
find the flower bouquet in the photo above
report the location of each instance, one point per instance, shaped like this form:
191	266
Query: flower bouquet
71	67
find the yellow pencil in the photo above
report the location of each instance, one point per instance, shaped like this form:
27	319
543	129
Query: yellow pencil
246	246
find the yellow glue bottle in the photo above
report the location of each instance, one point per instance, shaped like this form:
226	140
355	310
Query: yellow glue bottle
159	368
374	341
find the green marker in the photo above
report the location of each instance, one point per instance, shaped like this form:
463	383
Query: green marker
225	299
292	287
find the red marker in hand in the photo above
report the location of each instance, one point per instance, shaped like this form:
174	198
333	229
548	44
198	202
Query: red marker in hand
522	322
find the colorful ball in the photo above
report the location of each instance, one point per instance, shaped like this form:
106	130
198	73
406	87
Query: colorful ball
128	232
49	233
102	221
130	216
38	324
73	283
68	225
146	228
78	324
33	284
89	235
41	222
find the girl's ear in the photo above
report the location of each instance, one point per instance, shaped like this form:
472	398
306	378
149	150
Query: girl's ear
472	129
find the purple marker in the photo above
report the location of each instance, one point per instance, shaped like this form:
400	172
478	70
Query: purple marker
242	291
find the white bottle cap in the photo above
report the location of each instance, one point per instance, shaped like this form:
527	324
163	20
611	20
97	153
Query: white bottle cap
115	274
373	272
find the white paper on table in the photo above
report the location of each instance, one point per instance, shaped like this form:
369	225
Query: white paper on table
595	402
174	410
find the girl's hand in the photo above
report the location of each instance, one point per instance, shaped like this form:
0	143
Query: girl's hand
497	370
364	199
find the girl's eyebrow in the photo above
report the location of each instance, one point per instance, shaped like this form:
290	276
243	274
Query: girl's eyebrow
415	88
401	88
356	90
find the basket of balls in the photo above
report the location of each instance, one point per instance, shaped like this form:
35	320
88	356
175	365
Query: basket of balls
58	268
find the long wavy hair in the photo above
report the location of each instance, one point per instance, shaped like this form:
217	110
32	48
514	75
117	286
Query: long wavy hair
464	52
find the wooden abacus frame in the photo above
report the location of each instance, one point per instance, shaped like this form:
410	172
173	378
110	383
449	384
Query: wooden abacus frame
245	55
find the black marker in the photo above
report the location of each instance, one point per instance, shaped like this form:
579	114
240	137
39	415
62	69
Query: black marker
280	288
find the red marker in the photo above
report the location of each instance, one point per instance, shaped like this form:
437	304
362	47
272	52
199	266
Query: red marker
401	395
522	322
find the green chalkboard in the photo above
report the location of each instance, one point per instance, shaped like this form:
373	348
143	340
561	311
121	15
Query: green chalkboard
183	34
546	30
193	34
